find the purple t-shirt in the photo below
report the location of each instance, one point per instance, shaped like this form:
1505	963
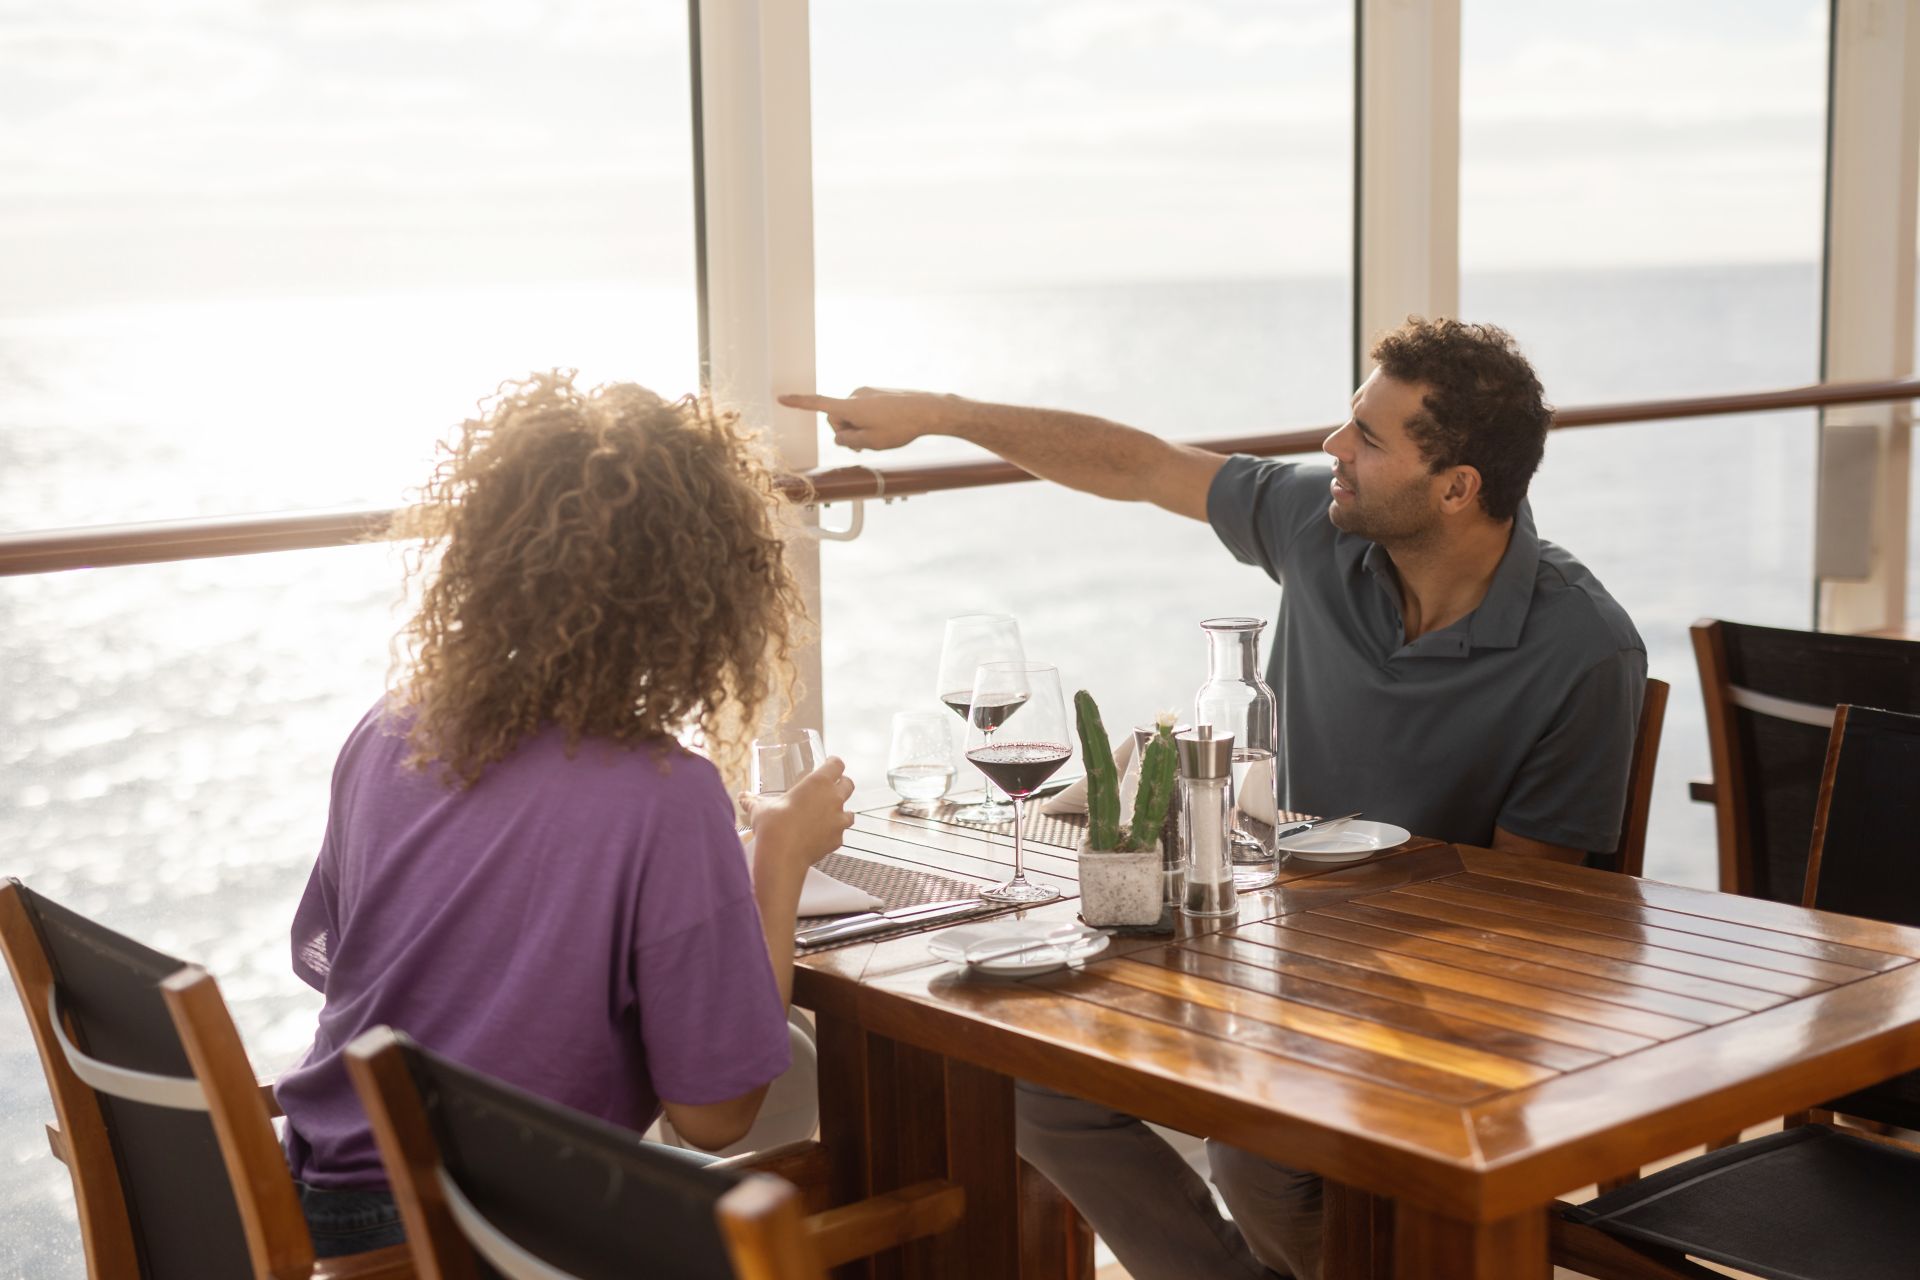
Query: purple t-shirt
583	928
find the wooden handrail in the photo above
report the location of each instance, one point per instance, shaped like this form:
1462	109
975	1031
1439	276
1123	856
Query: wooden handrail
51	550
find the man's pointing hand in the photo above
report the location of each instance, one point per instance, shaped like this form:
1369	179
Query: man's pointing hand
872	418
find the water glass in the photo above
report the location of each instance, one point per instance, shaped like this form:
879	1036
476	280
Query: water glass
920	760
782	758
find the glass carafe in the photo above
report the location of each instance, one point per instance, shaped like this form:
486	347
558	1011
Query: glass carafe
1237	703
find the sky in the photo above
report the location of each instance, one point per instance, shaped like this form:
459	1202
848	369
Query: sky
205	148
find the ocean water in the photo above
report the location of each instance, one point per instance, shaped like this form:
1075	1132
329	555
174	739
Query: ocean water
167	731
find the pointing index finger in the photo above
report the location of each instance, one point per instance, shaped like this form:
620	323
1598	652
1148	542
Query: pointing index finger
819	404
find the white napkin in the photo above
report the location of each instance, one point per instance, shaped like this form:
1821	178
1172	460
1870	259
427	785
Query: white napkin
1073	799
820	893
1256	793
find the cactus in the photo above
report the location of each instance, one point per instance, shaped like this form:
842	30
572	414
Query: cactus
1103	781
1155	792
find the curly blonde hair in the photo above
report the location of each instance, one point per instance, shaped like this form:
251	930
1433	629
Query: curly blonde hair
604	561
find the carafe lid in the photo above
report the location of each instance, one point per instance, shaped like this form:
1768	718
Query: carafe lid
1202	755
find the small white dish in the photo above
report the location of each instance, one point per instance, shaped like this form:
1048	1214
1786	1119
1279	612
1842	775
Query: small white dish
1036	946
1348	842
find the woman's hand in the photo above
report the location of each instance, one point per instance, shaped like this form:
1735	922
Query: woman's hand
795	830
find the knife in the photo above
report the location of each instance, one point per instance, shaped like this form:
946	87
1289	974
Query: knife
873	921
1316	823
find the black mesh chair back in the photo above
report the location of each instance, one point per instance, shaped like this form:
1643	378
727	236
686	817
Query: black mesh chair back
1864	859
1770	697
186	1225
585	1198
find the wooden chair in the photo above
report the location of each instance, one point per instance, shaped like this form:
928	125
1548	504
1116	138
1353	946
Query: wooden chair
164	1130
1631	856
488	1176
1770	696
1814	1202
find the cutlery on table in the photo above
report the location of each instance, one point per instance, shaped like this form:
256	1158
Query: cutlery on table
1064	936
873	921
1318	824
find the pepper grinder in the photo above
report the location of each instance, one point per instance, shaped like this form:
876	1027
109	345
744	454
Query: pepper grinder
1205	799
1173	856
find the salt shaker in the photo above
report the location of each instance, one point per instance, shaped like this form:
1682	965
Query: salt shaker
1205	798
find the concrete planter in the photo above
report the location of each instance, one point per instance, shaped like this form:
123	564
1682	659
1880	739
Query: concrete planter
1121	888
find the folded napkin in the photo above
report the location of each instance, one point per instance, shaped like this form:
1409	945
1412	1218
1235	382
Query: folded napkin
1256	793
1073	799
822	895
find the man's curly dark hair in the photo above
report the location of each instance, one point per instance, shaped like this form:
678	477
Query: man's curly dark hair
1483	407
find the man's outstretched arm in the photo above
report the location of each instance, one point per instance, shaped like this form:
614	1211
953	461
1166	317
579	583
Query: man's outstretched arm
1074	449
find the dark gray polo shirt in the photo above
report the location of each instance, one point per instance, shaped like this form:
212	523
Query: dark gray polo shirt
1521	714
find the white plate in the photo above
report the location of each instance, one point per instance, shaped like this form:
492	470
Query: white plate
1348	842
954	944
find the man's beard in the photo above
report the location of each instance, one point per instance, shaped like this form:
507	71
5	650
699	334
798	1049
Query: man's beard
1401	517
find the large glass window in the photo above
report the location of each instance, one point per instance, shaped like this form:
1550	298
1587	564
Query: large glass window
256	257
1641	203
1141	211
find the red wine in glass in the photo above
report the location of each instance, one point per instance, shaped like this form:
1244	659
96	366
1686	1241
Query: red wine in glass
1018	768
1025	698
970	640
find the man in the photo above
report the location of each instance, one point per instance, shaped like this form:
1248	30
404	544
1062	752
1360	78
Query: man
1436	664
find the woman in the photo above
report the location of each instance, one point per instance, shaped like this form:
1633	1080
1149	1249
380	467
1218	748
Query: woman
522	867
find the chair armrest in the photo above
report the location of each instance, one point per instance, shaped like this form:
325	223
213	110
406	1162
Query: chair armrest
58	1141
804	1164
885	1221
394	1263
1701	791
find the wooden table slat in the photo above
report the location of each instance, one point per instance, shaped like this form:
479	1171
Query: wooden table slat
1646	934
1729	931
1436	975
1426	1018
1636	986
1785	917
1537	1012
1436	917
1341	1028
1097	987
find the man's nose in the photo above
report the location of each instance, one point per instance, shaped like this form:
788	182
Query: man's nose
1335	445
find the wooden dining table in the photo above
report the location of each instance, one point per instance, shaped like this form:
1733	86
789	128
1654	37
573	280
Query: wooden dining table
1454	1037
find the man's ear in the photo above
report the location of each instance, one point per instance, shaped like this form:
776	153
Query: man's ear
1460	489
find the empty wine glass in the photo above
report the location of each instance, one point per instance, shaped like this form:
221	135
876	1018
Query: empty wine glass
783	757
920	760
1021	702
971	639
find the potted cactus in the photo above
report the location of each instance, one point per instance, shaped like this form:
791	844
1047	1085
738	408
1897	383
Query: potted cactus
1120	866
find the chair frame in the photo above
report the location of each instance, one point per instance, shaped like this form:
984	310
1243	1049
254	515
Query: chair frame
241	1109
762	1220
1631	856
1593	1252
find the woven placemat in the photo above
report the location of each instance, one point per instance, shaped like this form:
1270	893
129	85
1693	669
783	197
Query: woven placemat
1062	830
897	886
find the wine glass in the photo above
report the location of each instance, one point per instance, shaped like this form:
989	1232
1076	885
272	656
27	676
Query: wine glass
1021	701
783	757
920	760
971	639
